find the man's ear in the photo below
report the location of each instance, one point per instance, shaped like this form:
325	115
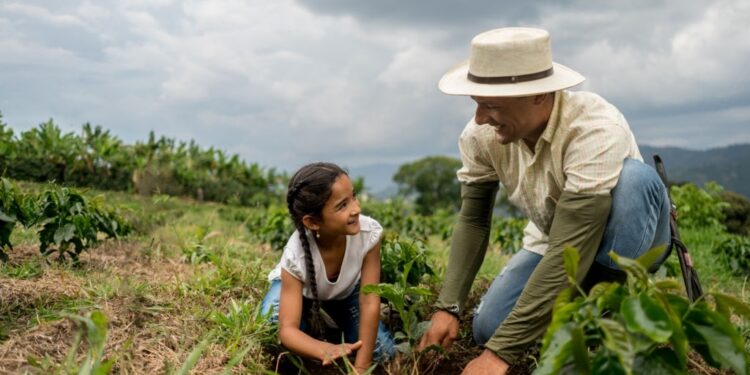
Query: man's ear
310	222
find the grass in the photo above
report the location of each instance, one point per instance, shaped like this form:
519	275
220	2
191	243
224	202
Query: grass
183	294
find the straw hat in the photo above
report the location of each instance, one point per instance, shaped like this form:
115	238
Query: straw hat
511	61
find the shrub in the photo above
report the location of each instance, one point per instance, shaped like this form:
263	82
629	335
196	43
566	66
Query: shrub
737	213
395	254
507	232
643	326
734	252
699	208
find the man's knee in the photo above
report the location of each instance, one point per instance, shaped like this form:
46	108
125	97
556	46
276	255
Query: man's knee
482	328
637	175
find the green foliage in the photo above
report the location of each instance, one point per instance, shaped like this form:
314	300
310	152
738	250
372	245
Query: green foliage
433	181
734	252
94	326
405	300
395	254
507	232
398	217
11	212
699	208
69	219
643	326
243	325
272	226
737	213
97	159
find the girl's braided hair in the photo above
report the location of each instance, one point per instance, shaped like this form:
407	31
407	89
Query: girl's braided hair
308	192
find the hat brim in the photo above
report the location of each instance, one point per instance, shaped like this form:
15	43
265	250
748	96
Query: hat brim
455	82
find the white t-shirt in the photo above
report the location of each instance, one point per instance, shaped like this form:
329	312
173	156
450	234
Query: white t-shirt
357	246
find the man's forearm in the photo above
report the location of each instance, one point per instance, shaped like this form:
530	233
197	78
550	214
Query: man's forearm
579	222
468	244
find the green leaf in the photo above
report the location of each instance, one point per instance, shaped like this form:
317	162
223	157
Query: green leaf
605	362
194	356
617	340
650	257
739	307
716	339
658	362
630	266
558	352
642	314
64	233
581	361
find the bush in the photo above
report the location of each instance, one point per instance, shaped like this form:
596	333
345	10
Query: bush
395	254
737	213
699	208
649	326
507	232
734	252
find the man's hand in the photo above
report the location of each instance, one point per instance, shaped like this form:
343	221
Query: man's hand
486	364
333	352
443	330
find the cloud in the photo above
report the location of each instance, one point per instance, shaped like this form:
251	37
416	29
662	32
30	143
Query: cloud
284	82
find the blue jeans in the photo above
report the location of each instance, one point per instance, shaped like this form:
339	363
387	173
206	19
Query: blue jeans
344	312
638	221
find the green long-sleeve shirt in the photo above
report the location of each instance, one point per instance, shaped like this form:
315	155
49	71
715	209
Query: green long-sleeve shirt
579	221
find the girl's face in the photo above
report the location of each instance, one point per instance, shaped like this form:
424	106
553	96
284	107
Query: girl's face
341	211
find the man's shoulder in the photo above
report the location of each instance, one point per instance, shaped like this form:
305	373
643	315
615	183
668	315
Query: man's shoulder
582	109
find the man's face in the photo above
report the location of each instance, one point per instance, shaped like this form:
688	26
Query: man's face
512	118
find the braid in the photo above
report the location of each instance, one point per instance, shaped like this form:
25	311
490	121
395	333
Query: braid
316	322
307	193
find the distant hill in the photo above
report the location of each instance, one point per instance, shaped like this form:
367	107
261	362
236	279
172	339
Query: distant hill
729	166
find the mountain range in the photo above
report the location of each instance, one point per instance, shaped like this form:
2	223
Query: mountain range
729	166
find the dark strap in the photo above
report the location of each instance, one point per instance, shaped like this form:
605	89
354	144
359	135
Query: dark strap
510	79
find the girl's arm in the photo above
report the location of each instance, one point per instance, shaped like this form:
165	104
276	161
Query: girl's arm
369	309
290	313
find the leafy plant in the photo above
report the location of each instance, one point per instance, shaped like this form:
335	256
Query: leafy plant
699	208
507	232
734	251
95	328
68	220
643	326
405	300
395	254
243	324
274	226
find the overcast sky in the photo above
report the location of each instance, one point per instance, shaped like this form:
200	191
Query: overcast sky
285	82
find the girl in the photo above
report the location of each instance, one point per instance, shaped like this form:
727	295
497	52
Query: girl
333	251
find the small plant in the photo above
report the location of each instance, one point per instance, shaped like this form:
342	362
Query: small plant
274	226
15	208
507	232
699	208
734	251
405	299
643	326
243	324
94	328
70	223
395	254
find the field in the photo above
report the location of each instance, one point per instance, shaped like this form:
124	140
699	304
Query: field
181	294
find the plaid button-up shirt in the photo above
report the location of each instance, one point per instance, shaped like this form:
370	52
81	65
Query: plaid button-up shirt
581	150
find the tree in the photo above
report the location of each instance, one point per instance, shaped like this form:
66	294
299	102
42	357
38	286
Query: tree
433	181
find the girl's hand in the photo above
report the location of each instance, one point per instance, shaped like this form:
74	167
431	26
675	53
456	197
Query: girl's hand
333	352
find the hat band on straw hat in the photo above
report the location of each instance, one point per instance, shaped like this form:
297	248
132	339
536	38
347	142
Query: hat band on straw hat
510	79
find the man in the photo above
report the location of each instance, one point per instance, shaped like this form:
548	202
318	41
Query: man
569	161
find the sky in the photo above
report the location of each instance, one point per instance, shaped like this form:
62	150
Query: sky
285	82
